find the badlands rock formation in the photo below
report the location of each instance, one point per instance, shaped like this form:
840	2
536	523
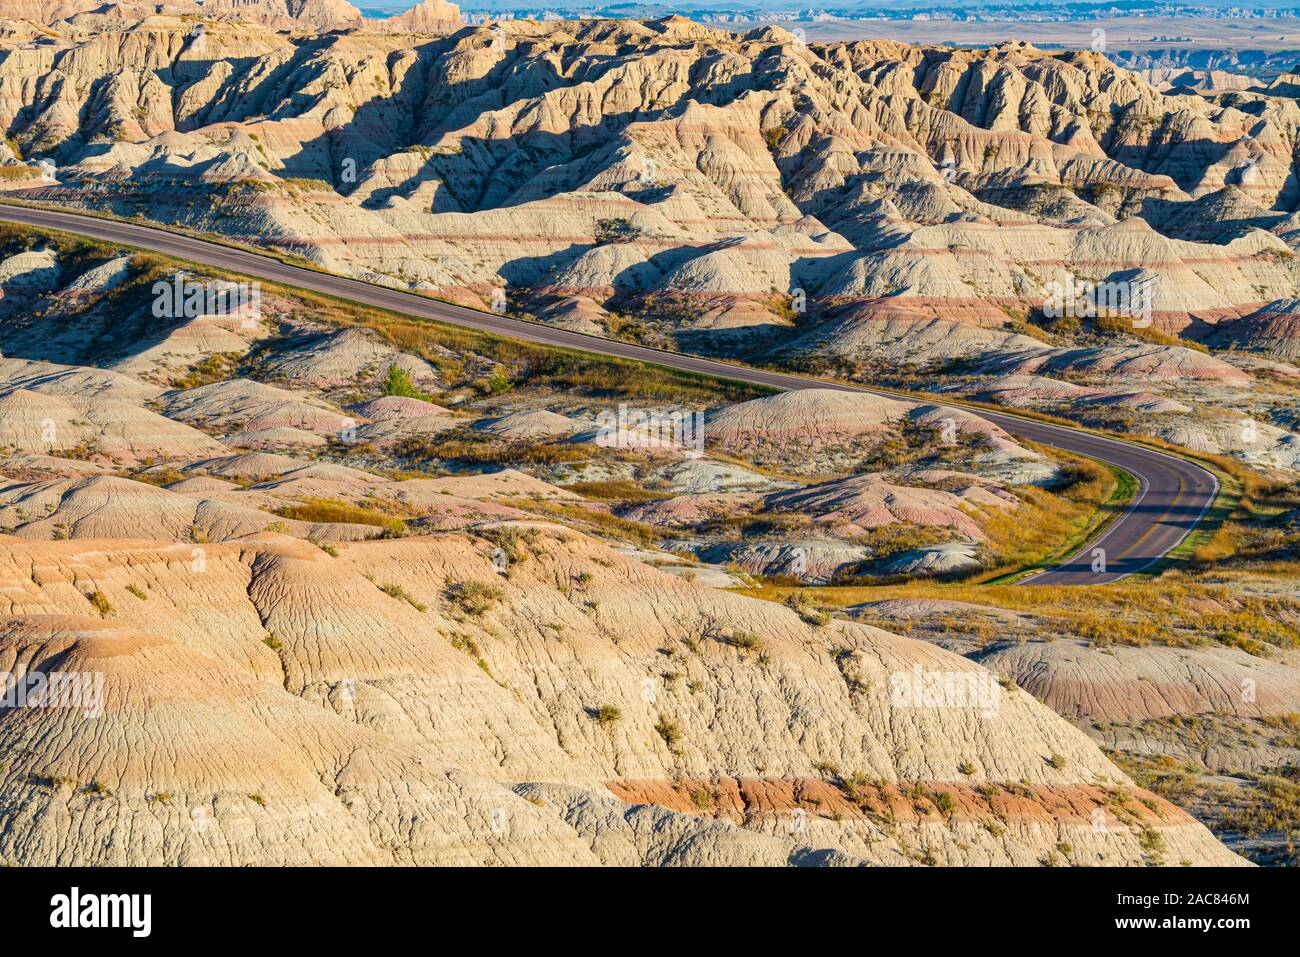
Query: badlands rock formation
809	428
331	627
367	591
263	692
867	209
909	178
1151	672
429	16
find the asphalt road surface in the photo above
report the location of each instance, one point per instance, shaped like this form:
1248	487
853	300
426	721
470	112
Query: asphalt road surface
1174	495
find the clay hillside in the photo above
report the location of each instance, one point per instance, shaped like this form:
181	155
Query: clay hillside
330	627
304	16
868	209
360	589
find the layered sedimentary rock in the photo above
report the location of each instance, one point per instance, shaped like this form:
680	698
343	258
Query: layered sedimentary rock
257	708
687	177
324	624
310	14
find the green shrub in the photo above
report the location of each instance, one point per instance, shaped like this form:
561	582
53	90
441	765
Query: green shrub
101	604
669	731
397	381
475	597
394	590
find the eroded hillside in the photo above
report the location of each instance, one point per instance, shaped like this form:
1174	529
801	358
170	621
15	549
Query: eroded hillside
871	209
364	590
328	627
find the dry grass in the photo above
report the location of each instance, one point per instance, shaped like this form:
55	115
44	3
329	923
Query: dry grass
1050	523
1263	808
1172	610
553	369
596	522
475	598
329	510
620	490
1250	535
1047	525
466	448
214	368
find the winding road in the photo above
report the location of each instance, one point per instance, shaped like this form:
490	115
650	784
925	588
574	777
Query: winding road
1174	493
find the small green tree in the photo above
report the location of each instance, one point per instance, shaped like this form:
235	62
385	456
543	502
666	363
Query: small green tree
397	381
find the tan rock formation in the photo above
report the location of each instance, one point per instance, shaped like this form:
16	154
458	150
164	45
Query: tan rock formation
311	748
427	16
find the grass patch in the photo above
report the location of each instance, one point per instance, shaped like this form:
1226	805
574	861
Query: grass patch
394	590
1174	610
475	598
617	490
1095	502
99	601
464	447
601	524
330	510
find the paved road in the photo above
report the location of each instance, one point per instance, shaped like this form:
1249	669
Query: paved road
1174	494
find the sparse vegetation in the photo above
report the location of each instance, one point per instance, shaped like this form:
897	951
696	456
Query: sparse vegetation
670	732
101	604
475	598
1150	840
1175	609
615	231
802	603
325	511
513	541
214	368
394	590
945	802
398	382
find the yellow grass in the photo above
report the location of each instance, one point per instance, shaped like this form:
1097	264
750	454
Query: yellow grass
1172	610
333	510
